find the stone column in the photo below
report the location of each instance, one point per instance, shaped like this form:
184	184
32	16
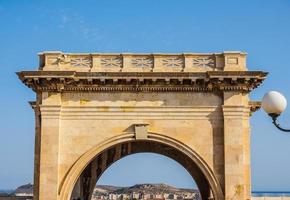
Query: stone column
36	148
49	146
236	146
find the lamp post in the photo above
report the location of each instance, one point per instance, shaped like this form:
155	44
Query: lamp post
274	104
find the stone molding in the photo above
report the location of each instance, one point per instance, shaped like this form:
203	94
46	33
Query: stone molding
131	112
158	112
58	81
50	111
236	112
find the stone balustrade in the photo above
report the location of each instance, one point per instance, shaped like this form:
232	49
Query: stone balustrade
128	62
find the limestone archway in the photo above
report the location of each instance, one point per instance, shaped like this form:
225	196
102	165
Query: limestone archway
84	174
85	104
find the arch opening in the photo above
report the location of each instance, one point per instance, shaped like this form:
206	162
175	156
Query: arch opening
146	176
84	186
143	168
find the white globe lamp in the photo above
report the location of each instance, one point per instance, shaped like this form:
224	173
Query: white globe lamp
274	103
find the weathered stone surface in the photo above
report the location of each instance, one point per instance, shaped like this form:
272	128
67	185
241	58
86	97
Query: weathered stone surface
193	108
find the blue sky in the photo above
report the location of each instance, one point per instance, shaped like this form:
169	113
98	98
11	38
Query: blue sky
261	28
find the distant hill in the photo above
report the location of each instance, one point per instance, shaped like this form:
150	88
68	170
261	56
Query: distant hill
6	192
106	188
24	190
151	188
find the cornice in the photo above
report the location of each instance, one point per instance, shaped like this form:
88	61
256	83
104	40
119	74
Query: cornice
255	106
58	81
32	104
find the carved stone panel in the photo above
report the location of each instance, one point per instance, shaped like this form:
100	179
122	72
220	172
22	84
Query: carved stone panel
111	61
145	61
177	61
203	62
81	62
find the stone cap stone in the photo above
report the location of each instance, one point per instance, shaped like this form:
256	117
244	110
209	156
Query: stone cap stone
142	62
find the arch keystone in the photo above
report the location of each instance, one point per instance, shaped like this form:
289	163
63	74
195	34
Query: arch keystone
141	132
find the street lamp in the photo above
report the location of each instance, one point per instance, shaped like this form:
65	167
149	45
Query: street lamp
274	104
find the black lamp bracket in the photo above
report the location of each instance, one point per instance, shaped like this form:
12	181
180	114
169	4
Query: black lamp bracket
274	118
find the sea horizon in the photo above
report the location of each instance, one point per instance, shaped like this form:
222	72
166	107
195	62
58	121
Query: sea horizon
271	193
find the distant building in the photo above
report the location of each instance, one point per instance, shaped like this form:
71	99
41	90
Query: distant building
138	192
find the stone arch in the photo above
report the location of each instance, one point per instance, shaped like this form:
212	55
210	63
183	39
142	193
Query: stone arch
156	143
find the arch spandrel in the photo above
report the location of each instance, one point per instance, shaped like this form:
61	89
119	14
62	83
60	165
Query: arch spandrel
200	139
198	100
